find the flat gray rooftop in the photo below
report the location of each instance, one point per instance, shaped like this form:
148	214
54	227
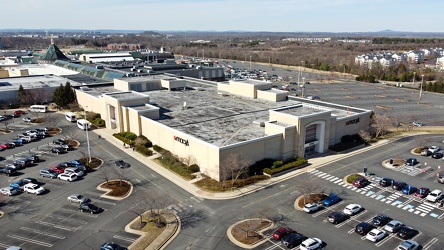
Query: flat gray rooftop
216	119
34	82
124	95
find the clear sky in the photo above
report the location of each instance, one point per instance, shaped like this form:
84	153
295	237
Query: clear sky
225	15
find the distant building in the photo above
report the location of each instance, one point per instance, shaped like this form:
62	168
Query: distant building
106	57
123	46
52	54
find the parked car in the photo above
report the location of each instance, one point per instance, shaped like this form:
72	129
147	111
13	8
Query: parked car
25	162
381	220
58	150
434	196
426	152
19	112
17	142
386	182
440	178
29	180
352	209
363	228
6	145
32	188
8	171
331	200
360	182
112	246
59	142
408	245
311	244
281	232
399	185
422	192
437	155
67	177
417	124
79	166
376	235
58	169
18	185
337	217
27	119
411	162
393	226
293	240
74	170
434	149
122	164
9	191
15	165
46	172
88	207
78	198
409	189
406	232
312	207
33	157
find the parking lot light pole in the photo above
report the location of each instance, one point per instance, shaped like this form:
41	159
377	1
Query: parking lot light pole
303	86
420	87
87	136
250	62
414	74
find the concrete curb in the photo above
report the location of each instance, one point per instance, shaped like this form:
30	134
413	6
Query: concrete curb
240	244
109	190
168	234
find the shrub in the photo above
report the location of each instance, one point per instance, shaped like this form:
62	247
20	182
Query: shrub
120	137
157	148
143	150
419	149
142	140
194	168
99	122
129	135
351	178
298	162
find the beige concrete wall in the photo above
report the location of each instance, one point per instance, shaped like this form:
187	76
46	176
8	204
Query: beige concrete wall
121	84
272	96
253	150
242	89
323	120
173	83
203	154
341	127
4	73
135	124
223	87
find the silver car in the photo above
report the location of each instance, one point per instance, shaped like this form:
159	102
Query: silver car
8	191
77	198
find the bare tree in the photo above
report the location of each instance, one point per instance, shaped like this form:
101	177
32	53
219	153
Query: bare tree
121	175
380	125
105	173
308	187
234	166
50	121
365	135
189	160
139	207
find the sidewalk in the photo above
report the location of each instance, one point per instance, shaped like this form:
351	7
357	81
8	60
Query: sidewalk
314	163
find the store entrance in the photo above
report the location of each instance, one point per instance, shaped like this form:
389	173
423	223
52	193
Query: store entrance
310	149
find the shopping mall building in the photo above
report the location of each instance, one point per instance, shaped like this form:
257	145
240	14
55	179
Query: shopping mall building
205	122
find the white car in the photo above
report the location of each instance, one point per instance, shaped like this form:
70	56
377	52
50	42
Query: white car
67	176
77	198
312	207
310	244
8	191
393	226
434	196
33	189
375	235
434	149
76	171
352	209
417	124
27	119
408	245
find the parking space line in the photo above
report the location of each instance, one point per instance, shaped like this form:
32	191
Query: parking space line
56	226
429	244
94	193
104	202
3	245
41	243
384	240
124	238
42	232
67	219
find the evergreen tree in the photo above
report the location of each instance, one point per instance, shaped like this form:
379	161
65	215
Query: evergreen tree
69	94
21	94
58	96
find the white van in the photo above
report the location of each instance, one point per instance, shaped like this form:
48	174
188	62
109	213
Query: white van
83	124
71	117
38	108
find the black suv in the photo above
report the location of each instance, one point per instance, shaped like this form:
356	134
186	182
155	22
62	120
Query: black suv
8	171
399	185
88	207
386	182
122	164
380	220
407	232
363	228
294	239
337	217
33	158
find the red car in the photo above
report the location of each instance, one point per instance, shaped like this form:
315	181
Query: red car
19	112
281	232
360	182
422	192
5	146
58	169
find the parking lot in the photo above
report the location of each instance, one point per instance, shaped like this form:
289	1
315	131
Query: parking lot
49	220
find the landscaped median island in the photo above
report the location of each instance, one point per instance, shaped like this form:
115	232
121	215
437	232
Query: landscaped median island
248	233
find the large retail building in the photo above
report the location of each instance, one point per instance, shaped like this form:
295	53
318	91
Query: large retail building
206	122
